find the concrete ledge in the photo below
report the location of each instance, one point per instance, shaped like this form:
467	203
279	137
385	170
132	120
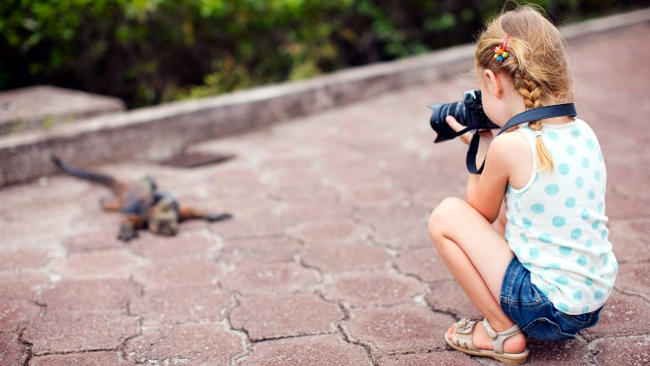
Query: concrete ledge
160	131
35	106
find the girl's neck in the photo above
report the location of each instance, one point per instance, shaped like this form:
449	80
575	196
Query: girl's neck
518	103
556	120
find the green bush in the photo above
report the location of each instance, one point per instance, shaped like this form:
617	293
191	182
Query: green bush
148	51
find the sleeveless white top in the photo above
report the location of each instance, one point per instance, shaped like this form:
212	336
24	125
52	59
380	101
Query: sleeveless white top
557	225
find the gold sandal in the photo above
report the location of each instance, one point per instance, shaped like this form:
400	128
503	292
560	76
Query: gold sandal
461	340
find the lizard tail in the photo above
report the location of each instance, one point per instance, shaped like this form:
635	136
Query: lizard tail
102	179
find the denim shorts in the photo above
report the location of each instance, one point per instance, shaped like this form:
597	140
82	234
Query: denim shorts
534	313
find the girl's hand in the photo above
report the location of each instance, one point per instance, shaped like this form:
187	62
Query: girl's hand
486	136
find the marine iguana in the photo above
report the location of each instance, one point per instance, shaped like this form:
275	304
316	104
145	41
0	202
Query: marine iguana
142	204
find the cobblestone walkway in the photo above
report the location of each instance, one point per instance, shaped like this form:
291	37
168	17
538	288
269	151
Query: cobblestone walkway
327	261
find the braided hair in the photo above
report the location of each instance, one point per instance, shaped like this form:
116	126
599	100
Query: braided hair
536	62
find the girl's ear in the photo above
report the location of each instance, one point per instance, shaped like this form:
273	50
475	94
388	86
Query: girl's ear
494	84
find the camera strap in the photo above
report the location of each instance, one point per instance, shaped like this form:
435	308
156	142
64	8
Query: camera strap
551	111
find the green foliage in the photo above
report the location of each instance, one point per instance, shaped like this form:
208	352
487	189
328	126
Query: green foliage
147	51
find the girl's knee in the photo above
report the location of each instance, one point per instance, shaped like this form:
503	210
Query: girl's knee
442	214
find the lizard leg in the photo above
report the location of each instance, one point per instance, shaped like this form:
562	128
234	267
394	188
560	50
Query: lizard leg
129	227
188	213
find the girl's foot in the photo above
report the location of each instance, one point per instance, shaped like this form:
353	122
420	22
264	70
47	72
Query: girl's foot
481	340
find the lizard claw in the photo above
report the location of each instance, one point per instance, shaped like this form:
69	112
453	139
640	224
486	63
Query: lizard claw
127	234
218	217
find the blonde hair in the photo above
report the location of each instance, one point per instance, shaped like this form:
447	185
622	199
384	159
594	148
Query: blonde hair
536	62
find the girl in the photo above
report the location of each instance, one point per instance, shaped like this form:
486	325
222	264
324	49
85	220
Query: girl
546	268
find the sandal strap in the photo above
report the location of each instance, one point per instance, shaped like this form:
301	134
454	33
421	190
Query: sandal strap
463	335
499	337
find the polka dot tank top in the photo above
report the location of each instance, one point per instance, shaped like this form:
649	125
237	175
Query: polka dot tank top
556	224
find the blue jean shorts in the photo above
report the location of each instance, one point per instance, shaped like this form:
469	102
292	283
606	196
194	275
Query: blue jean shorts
534	313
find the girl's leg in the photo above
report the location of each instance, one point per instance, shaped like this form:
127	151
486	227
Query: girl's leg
477	256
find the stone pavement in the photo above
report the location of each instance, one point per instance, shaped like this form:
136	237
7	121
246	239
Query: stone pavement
327	261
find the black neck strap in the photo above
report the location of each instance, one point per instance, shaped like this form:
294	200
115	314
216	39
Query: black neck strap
530	115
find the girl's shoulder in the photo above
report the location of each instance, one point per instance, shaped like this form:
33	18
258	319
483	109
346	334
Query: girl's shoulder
511	144
513	150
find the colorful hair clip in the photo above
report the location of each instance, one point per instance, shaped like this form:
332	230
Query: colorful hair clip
501	52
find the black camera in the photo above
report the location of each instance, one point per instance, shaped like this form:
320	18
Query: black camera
469	112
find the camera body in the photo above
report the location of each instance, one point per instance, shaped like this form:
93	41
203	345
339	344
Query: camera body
468	112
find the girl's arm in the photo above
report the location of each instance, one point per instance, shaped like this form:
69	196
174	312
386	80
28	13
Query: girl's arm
501	222
485	192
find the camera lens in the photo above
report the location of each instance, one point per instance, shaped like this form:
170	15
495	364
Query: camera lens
468	112
438	118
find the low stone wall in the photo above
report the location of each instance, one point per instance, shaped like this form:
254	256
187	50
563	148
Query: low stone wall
157	132
41	106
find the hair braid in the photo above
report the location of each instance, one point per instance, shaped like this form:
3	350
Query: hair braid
531	92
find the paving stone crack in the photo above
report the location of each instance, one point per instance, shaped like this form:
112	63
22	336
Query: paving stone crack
301	261
139	321
254	236
28	346
610	337
414	276
121	349
366	347
628	195
258	236
382	306
641	296
165	361
590	357
437	349
77	351
347	339
629	218
243	333
322	296
440	311
293	336
357	217
371	238
645	261
217	246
